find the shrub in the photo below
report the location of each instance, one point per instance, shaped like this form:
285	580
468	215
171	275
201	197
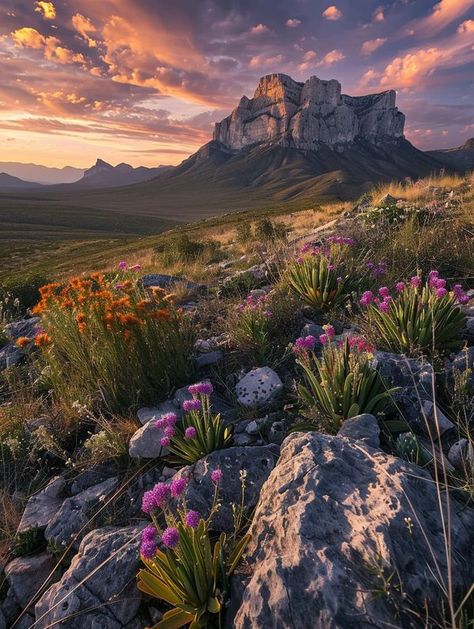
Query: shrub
421	317
252	328
18	296
199	433
317	275
268	232
111	343
192	572
181	249
341	383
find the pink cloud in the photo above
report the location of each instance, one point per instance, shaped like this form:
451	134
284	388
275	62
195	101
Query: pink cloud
292	23
332	13
332	57
378	15
370	46
443	14
258	29
264	61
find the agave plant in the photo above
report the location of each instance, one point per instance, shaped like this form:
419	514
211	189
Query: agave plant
342	383
421	317
192	572
199	432
317	276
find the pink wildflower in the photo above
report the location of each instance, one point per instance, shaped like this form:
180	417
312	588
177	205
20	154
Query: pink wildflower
122	265
216	475
203	388
367	298
192	519
178	485
190	432
400	286
192	405
170	537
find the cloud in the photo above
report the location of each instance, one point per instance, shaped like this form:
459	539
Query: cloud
332	57
332	13
292	23
263	61
84	26
47	9
52	50
378	15
370	46
466	27
259	28
443	14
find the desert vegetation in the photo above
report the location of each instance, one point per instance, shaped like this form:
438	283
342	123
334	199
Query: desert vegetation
161	413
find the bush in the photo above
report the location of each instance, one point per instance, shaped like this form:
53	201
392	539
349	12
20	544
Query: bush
421	317
268	232
199	433
317	275
181	249
252	328
192	572
18	296
110	343
342	383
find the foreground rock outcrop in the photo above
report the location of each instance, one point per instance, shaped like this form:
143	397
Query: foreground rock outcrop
305	115
342	535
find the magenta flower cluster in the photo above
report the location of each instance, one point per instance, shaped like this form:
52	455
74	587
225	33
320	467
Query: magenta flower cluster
304	343
160	495
166	424
123	266
257	305
201	388
149	542
192	405
377	269
341	240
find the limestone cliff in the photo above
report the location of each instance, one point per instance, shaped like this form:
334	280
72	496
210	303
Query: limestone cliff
286	113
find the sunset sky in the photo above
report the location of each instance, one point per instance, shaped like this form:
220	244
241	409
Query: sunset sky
142	81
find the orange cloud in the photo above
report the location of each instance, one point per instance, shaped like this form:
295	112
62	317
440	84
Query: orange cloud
292	23
308	59
466	27
84	26
52	50
28	38
332	13
443	13
259	28
262	61
370	46
47	9
332	57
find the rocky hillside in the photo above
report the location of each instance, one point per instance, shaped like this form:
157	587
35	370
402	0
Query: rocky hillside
286	444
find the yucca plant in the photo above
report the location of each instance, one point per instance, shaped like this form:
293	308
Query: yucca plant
423	317
200	432
318	277
192	572
341	383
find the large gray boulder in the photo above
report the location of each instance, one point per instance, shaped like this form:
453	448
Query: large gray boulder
338	522
256	463
258	387
98	589
43	506
26	576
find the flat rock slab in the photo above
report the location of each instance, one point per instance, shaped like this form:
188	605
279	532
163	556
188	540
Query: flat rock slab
42	507
98	589
166	281
72	516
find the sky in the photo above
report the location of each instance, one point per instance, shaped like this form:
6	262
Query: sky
143	81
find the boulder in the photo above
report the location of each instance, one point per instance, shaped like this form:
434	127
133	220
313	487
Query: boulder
73	515
10	355
26	575
211	359
98	589
258	387
24	327
155	412
43	506
461	455
363	428
145	442
337	523
256	462
160	280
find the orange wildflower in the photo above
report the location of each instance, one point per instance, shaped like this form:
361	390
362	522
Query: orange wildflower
80	317
82	327
129	319
42	339
23	341
108	318
38	309
124	302
143	304
98	277
48	289
160	314
127	335
67	303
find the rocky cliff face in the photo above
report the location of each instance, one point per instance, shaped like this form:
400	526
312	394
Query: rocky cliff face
287	113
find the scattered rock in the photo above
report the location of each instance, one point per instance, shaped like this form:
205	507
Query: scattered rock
25	327
257	462
333	521
363	428
72	515
145	442
147	413
387	199
10	355
464	359
26	575
469	329
167	281
461	455
312	329
437	420
258	387
43	506
107	561
211	359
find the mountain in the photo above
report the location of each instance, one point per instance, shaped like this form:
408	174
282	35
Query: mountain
41	174
460	158
104	175
7	182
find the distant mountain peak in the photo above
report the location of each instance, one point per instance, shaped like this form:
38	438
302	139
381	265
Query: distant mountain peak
306	115
468	145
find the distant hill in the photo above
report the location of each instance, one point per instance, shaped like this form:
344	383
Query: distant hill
460	158
104	175
41	174
7	182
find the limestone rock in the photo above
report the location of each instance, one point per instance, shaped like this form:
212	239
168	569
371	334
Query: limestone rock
167	281
10	355
107	561
363	428
26	575
42	507
334	519
307	115
461	455
257	462
24	327
258	387
72	515
145	442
